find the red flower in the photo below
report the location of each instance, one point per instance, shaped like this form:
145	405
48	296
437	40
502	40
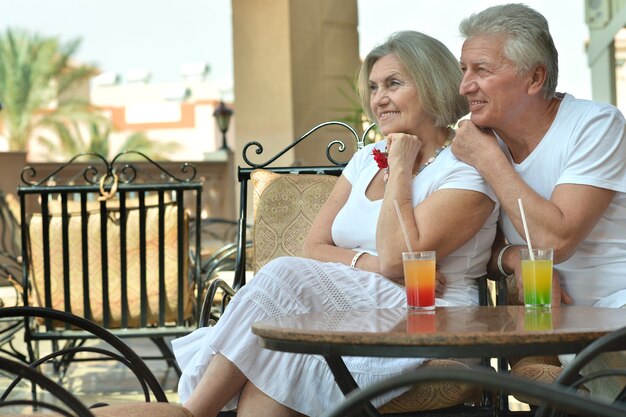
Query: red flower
381	158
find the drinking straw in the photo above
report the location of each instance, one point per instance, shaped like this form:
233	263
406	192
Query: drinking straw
402	226
530	246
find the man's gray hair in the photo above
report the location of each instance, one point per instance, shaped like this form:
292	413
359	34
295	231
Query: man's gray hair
528	41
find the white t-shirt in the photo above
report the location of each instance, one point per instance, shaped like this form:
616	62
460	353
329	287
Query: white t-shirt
355	224
586	144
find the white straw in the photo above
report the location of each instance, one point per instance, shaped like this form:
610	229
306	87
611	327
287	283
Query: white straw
402	226
530	246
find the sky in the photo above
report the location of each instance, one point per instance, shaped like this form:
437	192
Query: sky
122	36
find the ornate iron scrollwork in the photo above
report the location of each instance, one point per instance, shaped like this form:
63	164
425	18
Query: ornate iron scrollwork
337	145
99	167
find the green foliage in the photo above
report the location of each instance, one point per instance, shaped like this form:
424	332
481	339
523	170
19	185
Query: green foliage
35	72
37	76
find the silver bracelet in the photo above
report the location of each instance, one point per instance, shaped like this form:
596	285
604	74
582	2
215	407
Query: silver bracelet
356	258
500	268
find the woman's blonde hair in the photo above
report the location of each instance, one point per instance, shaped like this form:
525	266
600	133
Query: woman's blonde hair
431	66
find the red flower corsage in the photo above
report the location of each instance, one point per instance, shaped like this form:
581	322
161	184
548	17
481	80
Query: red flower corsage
381	158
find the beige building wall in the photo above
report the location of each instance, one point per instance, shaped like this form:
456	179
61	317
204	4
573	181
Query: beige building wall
293	61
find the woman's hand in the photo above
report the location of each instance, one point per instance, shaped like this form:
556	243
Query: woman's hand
402	150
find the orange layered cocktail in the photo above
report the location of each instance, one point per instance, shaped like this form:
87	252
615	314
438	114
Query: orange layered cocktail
419	279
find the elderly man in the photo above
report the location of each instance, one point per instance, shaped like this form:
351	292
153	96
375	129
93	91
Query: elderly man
564	157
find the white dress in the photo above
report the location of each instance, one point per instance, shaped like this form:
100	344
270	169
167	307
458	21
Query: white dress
287	286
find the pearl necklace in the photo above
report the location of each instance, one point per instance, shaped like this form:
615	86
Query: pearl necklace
428	162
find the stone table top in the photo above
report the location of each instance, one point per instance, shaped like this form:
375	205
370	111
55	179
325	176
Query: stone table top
447	331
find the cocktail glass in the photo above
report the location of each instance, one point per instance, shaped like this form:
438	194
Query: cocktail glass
419	279
537	277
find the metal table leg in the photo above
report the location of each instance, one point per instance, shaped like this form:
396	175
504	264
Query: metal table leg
346	382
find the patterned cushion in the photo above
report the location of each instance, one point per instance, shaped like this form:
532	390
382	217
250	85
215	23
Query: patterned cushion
544	369
285	206
95	265
434	395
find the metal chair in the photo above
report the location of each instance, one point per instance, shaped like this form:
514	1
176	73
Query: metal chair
10	274
69	404
106	244
554	396
334	167
70	407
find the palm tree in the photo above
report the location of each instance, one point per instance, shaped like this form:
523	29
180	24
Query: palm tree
94	136
35	73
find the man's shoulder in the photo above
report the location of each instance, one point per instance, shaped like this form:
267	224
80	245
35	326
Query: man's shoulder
571	103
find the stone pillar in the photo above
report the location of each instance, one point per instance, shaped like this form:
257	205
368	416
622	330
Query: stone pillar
12	164
293	62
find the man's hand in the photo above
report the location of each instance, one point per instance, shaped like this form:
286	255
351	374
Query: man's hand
473	145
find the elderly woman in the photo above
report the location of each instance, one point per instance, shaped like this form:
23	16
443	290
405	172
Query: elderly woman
409	85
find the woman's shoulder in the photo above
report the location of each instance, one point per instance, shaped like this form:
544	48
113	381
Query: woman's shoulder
365	153
361	159
451	165
454	173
